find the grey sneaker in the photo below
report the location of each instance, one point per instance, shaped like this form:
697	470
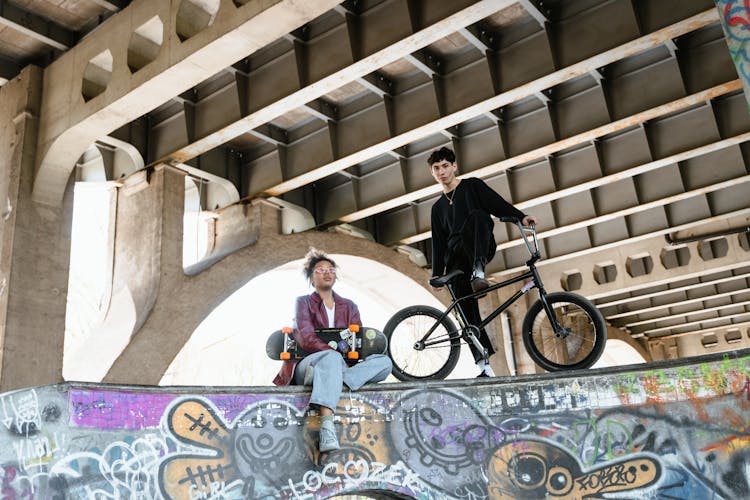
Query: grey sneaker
309	374
328	439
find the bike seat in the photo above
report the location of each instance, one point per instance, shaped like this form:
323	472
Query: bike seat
441	281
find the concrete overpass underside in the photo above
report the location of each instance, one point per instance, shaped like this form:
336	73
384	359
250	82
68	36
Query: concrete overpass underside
675	430
622	125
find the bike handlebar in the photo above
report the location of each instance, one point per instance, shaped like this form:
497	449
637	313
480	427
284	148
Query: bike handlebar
533	245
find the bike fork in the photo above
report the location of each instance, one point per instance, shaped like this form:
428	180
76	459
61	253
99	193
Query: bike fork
560	332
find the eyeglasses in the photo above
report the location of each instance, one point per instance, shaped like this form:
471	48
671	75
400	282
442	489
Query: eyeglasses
322	270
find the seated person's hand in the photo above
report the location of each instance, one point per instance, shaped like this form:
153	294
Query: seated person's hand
343	346
529	220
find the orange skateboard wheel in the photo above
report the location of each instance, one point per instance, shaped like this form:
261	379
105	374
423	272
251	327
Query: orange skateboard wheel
353	355
354	328
285	356
286	330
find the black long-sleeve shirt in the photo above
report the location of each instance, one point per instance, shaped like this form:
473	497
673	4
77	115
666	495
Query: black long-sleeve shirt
448	219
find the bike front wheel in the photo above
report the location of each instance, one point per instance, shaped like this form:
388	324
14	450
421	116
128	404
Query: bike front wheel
406	328
578	344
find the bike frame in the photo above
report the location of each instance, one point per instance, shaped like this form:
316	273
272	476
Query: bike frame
536	282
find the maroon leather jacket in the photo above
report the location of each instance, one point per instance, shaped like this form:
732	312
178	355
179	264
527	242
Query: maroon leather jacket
310	313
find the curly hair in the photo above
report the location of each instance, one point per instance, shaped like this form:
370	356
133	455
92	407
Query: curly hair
441	154
312	258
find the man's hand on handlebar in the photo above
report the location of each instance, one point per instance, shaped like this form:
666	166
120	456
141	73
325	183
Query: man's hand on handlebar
529	220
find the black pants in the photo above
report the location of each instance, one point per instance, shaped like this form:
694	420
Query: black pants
476	247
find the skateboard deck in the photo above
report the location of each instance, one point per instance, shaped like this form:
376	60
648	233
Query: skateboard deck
362	343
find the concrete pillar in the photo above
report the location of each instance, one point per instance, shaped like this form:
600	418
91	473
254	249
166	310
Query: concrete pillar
148	253
35	248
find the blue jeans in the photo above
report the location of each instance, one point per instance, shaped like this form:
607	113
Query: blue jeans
331	372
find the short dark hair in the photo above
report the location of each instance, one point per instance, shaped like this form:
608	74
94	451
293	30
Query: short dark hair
312	258
441	154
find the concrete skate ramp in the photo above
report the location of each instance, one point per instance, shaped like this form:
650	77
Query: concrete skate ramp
675	430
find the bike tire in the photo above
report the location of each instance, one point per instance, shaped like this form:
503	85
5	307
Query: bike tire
585	342
408	326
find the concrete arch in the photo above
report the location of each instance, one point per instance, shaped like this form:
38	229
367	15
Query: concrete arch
68	124
617	334
184	301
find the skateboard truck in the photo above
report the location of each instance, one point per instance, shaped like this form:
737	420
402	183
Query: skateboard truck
350	335
285	354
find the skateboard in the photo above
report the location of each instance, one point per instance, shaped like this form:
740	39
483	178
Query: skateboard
363	341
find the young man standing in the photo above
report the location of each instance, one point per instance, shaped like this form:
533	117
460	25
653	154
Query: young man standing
462	236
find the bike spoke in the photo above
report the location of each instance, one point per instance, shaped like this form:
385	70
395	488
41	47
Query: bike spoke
434	355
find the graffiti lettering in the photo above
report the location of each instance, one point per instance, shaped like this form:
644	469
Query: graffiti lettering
216	489
617	475
34	451
353	475
471	491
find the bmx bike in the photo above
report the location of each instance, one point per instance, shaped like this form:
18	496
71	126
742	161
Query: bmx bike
561	330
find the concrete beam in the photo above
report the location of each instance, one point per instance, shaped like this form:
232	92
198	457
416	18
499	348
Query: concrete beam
702	322
112	5
669	305
355	70
69	123
684	314
561	145
632	210
382	146
709	282
717	339
35	26
542	234
552	270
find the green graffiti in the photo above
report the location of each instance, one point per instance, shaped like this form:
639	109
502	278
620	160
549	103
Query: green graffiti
618	443
687	381
626	384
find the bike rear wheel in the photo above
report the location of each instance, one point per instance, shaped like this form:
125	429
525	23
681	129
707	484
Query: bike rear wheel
581	342
407	327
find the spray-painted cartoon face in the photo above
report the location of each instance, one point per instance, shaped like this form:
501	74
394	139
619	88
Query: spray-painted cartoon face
530	469
262	448
449	447
267	440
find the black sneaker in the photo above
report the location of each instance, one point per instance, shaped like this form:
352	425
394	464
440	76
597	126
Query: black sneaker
482	375
478	284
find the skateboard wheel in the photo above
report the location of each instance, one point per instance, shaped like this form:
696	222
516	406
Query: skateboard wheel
353	355
286	330
285	356
354	328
